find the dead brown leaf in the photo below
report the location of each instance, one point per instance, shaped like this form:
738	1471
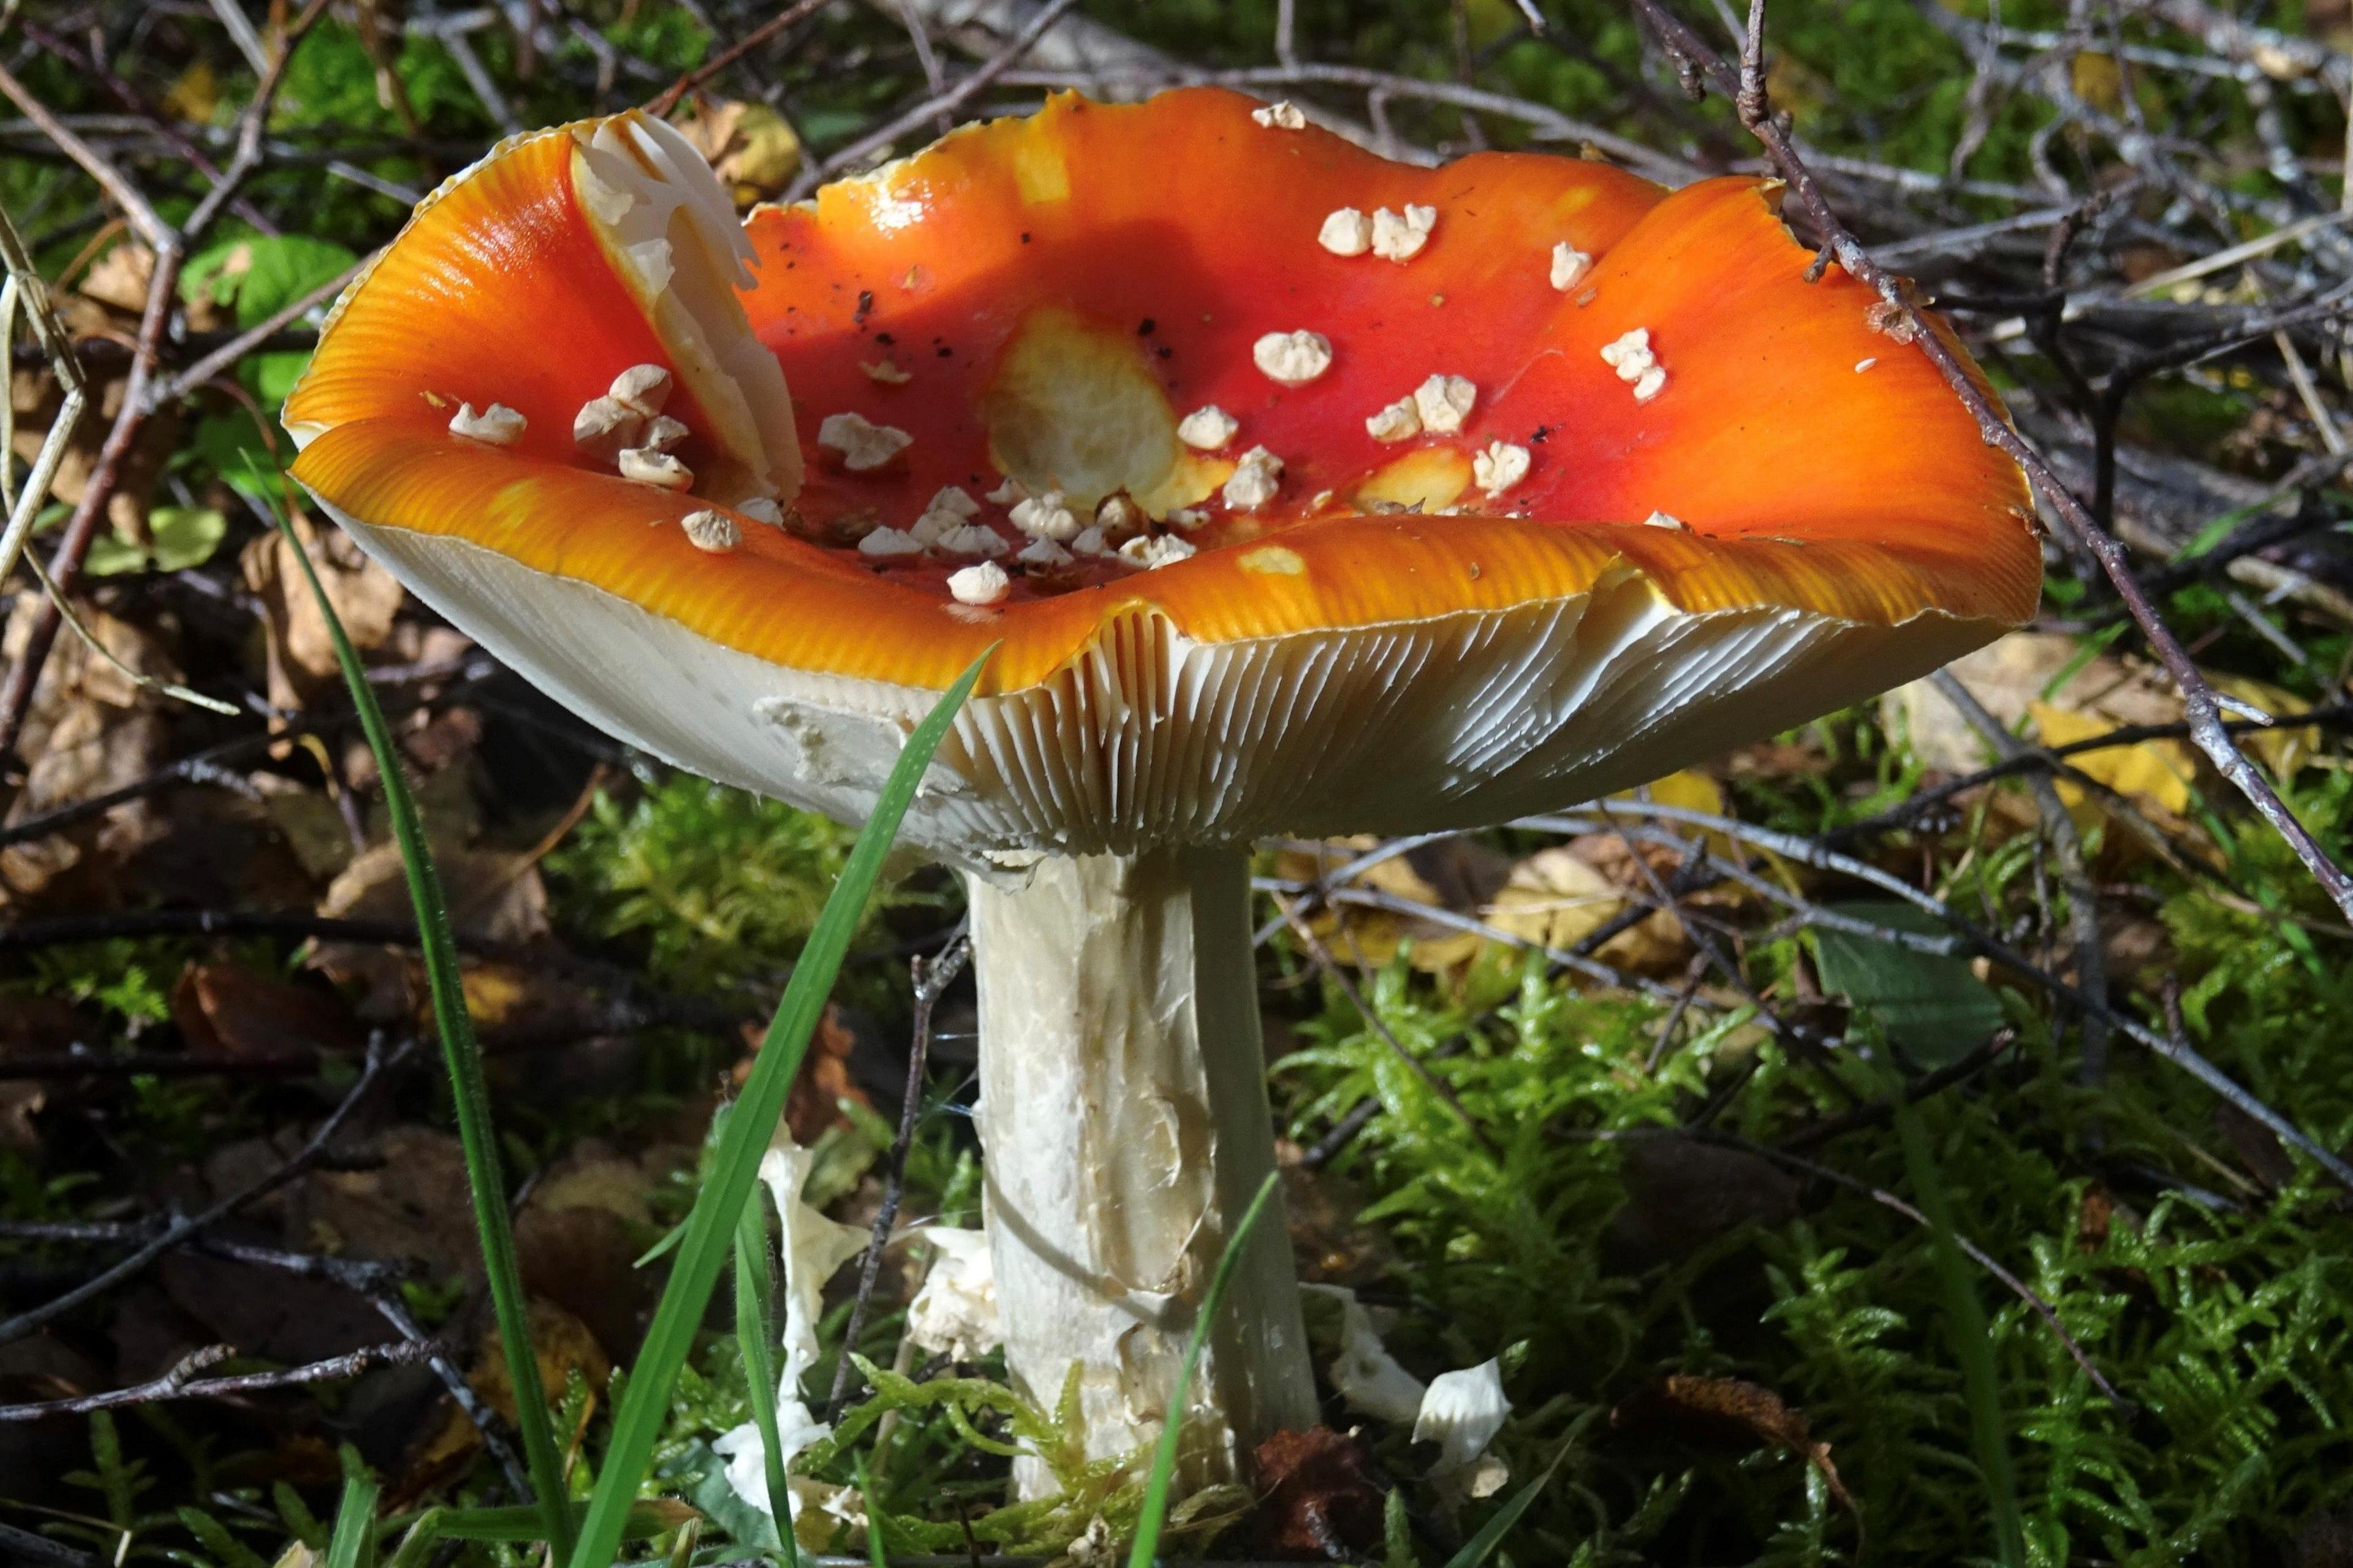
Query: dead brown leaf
748	145
228	1009
1730	1411
302	654
1321	1494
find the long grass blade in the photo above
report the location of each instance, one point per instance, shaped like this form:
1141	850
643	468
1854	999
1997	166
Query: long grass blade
1964	1323
471	1094
1163	1460
704	1249
1481	1546
650	1517
751	1331
876	1557
354	1543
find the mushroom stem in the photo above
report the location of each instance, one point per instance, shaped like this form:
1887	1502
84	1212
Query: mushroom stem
1123	1127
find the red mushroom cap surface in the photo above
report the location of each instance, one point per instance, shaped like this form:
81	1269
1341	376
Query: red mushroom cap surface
1302	490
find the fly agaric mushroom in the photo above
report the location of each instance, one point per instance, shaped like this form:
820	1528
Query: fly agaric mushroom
1371	627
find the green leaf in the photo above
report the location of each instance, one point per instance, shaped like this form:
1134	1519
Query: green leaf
736	1165
528	1524
185	536
1163	1459
752	1332
485	1180
1934	1008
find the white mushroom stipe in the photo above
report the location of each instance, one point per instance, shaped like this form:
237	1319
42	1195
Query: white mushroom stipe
1666	520
662	434
1346	232
985	584
1005	494
657	469
1444	402
1397	422
1284	115
1042	552
953	498
1500	467
1568	265
1399	236
1206	429
603	428
641	389
761	508
497	425
1293	358
862	444
712	530
1153	553
1045	517
889	544
972	539
1255	480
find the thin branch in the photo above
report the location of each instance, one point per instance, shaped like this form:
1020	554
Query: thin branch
180	1381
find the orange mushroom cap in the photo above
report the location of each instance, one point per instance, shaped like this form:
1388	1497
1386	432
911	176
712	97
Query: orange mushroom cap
1445	494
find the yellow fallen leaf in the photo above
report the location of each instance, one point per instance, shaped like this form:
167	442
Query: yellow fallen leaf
2154	773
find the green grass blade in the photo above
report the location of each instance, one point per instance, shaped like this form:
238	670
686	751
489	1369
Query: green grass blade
703	1251
876	1557
1163	1460
522	1524
484	1177
752	1332
1964	1323
354	1543
422	1537
1481	1546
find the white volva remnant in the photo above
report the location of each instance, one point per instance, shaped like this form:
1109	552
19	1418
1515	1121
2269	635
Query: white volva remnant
1444	402
1156	551
657	469
662	434
712	530
1346	232
863	445
1371	1381
1293	358
1042	552
955	1313
497	425
985	584
1568	265
889	544
1462	1411
935	524
1503	464
603	428
953	498
1186	517
761	508
1090	542
1284	115
1206	429
1256	479
886	371
1045	517
1399	236
641	389
1006	494
1118	517
1863	364
1397	422
1631	357
1666	520
972	539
